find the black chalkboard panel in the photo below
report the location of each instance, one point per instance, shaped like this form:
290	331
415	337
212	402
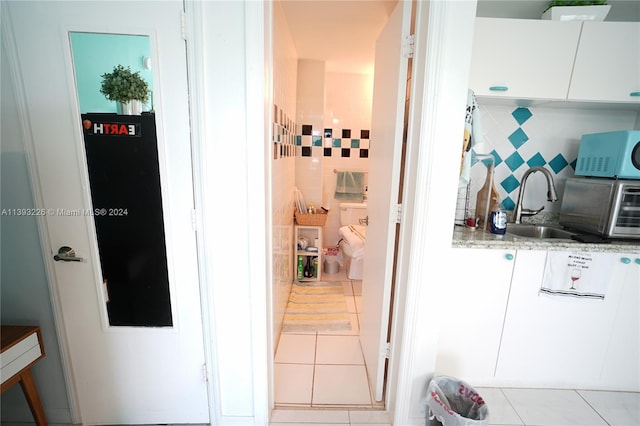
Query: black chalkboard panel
122	161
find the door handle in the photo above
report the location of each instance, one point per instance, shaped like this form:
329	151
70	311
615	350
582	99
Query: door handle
67	254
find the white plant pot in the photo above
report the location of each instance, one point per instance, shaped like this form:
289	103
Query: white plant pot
129	108
577	13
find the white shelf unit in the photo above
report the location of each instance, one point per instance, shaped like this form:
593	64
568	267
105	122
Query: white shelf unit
309	258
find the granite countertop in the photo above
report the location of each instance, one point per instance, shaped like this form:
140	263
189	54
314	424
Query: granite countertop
478	238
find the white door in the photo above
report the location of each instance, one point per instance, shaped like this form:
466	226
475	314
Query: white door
121	374
389	91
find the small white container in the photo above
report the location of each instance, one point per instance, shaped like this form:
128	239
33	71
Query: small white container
577	13
330	267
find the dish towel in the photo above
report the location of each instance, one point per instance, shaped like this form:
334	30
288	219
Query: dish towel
577	274
349	185
472	136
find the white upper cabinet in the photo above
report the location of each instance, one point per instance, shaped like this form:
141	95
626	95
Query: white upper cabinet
607	64
523	59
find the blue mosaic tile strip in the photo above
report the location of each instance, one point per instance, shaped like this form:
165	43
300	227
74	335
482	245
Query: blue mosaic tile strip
521	115
326	145
536	160
284	135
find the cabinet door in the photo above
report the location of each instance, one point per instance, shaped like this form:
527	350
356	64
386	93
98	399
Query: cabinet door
607	64
519	58
621	369
477	289
554	341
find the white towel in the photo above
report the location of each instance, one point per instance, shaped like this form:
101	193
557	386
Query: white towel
577	274
472	136
349	185
355	236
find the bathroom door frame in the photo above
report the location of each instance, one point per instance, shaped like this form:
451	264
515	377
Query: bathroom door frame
443	42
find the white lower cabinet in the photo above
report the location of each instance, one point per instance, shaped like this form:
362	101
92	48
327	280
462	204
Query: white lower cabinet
567	342
470	329
621	370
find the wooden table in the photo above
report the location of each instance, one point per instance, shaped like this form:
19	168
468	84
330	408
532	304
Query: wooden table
21	349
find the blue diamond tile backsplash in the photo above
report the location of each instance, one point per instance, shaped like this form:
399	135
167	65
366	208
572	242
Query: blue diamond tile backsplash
521	115
524	137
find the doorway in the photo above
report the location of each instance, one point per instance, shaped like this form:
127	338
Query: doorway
308	162
114	355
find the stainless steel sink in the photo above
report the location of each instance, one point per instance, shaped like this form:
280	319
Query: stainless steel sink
541	232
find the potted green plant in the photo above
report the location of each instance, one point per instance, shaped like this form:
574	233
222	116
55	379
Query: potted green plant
126	88
576	10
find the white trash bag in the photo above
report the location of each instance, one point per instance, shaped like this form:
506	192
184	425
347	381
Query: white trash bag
454	403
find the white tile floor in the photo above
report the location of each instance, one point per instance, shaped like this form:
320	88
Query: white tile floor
324	369
507	407
320	379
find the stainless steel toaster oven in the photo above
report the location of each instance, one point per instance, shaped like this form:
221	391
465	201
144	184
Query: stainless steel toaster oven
606	207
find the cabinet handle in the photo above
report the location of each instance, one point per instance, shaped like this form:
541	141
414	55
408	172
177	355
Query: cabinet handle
625	260
634	94
498	88
508	256
638	260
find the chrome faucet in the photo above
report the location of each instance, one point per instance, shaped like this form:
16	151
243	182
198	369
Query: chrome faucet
552	195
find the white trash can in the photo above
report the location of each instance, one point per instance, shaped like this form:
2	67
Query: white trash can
453	402
331	264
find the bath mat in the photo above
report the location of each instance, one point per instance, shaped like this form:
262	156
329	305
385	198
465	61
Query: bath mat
316	306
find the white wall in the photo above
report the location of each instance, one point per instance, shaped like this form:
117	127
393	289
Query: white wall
444	34
232	205
336	101
283	168
311	92
349	98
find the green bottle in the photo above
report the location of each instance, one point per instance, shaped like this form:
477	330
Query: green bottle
300	268
315	267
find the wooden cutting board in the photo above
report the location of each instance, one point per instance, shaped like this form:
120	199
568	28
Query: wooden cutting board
489	193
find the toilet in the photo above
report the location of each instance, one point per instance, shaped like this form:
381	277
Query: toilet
353	233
